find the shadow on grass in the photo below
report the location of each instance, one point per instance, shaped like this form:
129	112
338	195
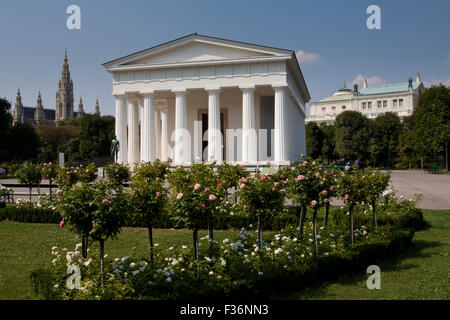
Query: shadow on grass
355	278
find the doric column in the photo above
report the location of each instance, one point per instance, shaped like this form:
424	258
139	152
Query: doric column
121	128
142	129
157	132
249	140
214	133
164	140
133	131
182	152
149	128
280	120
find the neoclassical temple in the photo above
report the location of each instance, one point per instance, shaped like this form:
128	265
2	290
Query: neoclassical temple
204	98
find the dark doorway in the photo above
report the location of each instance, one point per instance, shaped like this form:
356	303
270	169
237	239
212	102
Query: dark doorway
205	128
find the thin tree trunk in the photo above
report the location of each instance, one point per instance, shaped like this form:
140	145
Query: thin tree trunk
351	226
316	247
327	210
374	218
210	240
150	237
302	221
50	183
84	245
102	259
30	192
195	239
260	240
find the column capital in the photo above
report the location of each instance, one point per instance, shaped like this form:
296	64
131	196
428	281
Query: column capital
248	88
148	93
280	86
213	89
178	91
119	95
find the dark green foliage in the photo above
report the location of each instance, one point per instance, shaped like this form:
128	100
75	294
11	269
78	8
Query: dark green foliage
385	138
432	122
5	125
93	139
314	140
353	132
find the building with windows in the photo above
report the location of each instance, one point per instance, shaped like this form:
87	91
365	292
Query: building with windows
400	98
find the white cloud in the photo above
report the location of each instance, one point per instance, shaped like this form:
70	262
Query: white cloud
307	57
370	80
437	82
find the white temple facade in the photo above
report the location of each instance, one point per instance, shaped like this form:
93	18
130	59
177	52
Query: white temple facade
204	98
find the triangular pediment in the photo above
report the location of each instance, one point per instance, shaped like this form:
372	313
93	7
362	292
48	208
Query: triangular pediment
195	48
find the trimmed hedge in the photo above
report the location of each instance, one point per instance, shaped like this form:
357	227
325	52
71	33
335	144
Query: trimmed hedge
412	219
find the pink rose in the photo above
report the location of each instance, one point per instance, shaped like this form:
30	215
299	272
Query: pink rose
202	206
61	224
346	196
331	188
179	196
105	202
263	177
212	197
301	177
207	190
326	200
197	186
242	186
59	192
324	192
273	189
87	170
276	184
158	194
245	207
219	185
314	202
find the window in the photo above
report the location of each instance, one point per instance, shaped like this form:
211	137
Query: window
369	105
379	104
333	108
394	102
384	103
324	108
364	105
400	102
343	107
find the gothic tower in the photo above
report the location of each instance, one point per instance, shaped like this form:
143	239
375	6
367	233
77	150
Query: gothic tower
80	109
39	112
64	96
97	108
18	110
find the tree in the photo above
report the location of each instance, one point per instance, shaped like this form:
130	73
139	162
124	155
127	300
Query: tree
54	138
431	118
23	142
5	125
352	135
93	139
30	175
329	142
314	140
406	146
386	137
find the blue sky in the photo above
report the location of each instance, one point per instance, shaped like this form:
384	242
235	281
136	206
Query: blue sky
335	44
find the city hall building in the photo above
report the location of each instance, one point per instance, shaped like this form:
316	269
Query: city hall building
204	98
372	101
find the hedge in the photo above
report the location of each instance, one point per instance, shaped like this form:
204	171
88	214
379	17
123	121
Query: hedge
412	219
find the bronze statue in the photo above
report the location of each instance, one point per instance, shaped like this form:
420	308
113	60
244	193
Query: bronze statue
115	146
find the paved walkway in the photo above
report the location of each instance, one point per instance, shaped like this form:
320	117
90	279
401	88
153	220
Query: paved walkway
434	187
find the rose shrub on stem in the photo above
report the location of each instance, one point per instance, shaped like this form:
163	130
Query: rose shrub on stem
376	183
353	191
117	174
148	196
261	197
29	174
49	172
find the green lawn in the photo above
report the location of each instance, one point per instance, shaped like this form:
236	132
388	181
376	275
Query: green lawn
422	272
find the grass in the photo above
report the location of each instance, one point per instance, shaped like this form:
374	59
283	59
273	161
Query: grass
421	272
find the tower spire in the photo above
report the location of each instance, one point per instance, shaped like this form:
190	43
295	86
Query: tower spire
64	95
97	108
18	110
80	109
39	112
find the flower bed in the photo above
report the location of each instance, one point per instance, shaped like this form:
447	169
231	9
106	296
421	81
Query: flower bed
371	225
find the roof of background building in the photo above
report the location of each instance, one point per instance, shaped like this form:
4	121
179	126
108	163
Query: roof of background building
373	90
28	113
